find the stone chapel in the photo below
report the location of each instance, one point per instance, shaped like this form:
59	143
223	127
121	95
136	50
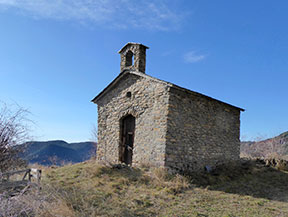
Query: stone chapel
142	119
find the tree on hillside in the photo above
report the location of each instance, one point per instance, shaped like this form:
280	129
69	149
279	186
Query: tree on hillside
94	134
13	133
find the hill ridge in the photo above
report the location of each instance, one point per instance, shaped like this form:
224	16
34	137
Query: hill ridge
57	152
275	147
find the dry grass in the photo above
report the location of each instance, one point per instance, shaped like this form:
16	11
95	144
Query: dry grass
90	189
246	190
46	203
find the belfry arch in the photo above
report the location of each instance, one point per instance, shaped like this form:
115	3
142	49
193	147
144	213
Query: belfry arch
129	58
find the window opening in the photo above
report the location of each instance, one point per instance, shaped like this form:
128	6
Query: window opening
129	94
129	59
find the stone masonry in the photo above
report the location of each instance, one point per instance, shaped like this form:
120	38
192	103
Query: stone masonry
174	127
200	131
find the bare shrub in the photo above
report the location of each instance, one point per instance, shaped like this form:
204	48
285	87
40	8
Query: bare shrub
47	202
281	165
277	163
14	206
13	132
94	139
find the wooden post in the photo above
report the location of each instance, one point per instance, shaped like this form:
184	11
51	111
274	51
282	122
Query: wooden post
26	182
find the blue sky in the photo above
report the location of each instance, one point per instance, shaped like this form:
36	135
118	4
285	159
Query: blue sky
56	55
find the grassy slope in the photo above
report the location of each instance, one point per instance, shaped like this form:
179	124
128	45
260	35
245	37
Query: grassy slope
89	189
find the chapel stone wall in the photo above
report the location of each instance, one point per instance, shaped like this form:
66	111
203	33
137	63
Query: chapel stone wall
148	103
201	132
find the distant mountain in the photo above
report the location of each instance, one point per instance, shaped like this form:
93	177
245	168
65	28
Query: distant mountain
57	152
273	147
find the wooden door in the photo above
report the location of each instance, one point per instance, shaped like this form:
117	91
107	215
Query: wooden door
127	139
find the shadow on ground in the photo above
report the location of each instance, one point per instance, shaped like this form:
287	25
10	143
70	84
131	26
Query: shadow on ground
247	178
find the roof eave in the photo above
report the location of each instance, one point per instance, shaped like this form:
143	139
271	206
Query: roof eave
111	85
96	98
131	43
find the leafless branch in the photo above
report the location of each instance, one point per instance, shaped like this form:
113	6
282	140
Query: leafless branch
13	133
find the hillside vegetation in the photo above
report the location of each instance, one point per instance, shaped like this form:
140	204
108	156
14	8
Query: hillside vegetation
90	189
276	147
58	152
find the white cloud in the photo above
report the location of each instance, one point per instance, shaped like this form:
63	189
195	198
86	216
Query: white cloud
153	15
193	57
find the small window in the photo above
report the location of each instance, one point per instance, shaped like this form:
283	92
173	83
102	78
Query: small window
129	94
129	58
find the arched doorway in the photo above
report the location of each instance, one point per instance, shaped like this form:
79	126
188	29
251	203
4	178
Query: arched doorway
127	130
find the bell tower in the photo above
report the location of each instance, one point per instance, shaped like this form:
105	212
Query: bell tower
133	57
